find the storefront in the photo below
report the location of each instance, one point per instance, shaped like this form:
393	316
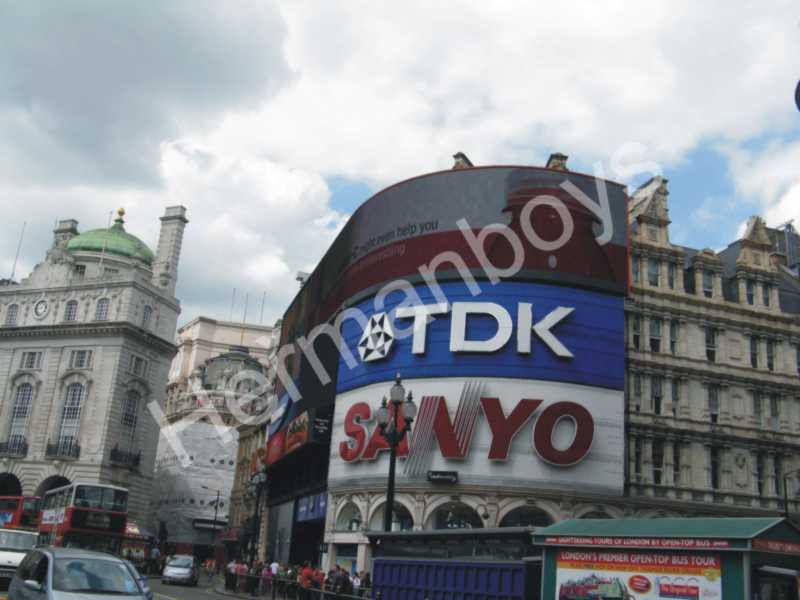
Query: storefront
654	559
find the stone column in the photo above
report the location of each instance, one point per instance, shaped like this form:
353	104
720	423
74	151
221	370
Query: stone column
647	464
698	281
770	488
742	290
663	274
667	477
716	285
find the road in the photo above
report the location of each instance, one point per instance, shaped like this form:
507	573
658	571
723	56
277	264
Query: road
180	592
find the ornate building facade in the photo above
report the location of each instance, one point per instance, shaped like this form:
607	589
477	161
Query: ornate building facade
86	342
192	500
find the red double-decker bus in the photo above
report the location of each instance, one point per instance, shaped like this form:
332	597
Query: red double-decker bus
83	515
19	512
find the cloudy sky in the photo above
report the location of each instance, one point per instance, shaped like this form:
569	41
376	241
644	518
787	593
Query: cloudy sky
272	122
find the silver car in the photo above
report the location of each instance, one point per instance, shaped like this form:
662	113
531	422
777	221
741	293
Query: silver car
72	574
181	568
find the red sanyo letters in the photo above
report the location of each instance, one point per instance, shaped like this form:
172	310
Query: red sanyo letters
454	437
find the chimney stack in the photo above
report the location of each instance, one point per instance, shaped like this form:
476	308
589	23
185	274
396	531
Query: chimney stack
165	267
557	161
64	232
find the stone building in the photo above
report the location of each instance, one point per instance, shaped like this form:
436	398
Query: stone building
190	474
713	397
86	342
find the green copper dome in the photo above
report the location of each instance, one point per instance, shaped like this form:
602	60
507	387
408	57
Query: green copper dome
114	240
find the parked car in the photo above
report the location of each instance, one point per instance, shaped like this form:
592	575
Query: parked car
181	568
66	573
14	545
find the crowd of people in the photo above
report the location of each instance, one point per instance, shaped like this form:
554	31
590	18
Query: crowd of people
301	582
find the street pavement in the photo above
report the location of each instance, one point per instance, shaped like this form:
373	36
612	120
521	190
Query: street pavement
204	590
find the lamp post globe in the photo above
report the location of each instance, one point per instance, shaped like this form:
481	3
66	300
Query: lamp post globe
394	424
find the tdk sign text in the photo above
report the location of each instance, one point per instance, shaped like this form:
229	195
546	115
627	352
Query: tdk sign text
379	335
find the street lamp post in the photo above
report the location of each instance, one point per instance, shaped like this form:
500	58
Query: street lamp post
257	482
394	421
786	491
214	525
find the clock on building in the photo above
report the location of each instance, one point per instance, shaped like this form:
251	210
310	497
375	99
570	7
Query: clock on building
40	308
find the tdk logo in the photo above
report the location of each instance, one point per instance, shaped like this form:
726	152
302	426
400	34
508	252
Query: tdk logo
378	338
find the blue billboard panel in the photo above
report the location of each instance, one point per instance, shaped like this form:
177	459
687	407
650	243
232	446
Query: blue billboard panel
513	329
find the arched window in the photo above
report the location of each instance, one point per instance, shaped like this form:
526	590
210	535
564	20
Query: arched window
70	419
146	315
17	445
401	518
101	313
526	516
130	416
456	515
71	310
596	514
11	314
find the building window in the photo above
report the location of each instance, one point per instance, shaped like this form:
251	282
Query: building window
754	351
672	270
708	284
759	474
711	344
101	312
655	334
656	387
80	271
11	314
770	354
653	268
130	416
138	366
676	396
676	463
31	360
797	357
80	359
635	267
713	402
71	310
637	391
658	461
637	334
19	417
637	459
147	313
674	328
70	418
765	289
715	459
778	462
758	409
774	412
749	287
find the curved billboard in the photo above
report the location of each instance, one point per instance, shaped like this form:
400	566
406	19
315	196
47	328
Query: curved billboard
497	293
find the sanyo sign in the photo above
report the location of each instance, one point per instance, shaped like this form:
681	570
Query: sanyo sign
378	337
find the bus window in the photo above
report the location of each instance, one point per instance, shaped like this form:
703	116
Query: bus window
87	496
116	500
9	504
30	505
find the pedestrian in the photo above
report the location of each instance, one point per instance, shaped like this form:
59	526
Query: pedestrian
266	579
230	576
155	558
356	581
366	583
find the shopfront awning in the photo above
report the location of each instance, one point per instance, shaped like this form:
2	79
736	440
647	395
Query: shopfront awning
676	533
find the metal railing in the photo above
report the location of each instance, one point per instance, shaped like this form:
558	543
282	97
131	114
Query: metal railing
14	447
279	588
124	458
63	449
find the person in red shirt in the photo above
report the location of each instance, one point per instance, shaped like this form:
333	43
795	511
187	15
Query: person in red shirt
306	577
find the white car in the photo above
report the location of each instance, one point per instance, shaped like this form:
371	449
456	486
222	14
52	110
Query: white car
14	545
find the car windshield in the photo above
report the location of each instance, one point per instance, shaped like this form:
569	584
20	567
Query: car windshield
181	561
93	575
16	540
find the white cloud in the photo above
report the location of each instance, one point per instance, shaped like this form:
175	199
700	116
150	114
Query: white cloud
240	110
